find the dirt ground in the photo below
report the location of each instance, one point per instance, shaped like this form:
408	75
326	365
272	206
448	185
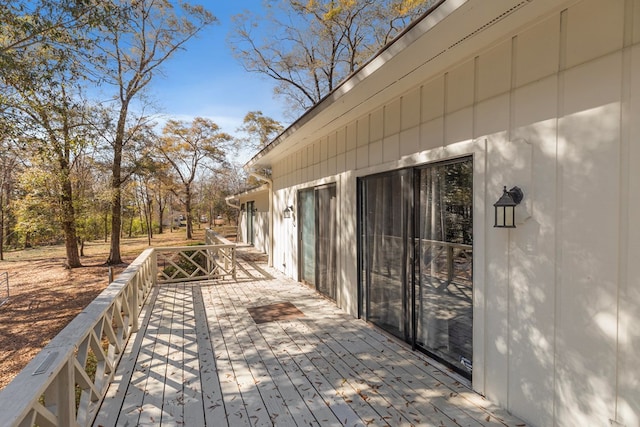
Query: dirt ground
44	296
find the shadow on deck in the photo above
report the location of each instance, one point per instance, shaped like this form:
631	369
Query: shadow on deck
200	359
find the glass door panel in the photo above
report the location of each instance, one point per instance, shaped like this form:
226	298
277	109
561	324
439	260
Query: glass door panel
384	250
307	221
250	216
444	285
326	282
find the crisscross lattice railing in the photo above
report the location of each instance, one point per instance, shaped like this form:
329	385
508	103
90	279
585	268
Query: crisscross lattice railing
55	388
64	385
187	263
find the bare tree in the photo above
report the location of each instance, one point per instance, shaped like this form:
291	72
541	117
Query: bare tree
187	148
308	47
44	22
44	46
51	117
145	35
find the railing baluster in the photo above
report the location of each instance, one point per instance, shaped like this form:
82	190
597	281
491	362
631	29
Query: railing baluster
449	264
65	395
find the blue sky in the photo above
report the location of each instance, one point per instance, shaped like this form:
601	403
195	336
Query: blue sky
205	80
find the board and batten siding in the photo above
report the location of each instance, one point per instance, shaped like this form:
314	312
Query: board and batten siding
554	109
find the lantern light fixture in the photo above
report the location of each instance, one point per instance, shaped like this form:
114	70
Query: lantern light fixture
287	212
505	207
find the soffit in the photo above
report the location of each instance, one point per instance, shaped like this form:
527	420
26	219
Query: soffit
454	32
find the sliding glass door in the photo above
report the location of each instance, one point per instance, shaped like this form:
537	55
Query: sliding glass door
416	257
317	225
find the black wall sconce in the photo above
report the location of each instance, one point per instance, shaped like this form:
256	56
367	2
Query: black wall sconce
505	207
286	213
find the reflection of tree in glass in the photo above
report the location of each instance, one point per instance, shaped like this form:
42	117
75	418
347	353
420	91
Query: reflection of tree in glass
448	191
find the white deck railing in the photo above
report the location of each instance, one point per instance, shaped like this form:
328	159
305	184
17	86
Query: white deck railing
58	388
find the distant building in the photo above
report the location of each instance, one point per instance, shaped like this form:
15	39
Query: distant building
253	217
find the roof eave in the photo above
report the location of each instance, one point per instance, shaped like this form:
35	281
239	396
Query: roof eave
327	100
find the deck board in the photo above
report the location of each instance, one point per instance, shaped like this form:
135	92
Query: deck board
201	360
212	400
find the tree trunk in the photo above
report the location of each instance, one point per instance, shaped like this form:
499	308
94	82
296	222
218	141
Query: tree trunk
131	226
148	219
116	182
116	227
160	217
106	227
1	226
171	215
187	206
69	223
142	217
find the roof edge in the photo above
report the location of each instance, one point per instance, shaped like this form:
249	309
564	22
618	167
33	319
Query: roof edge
307	115
259	189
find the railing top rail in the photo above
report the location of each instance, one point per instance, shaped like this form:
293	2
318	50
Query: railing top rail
133	268
441	243
431	241
193	248
211	234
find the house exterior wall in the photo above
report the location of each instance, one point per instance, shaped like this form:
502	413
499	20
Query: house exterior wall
553	109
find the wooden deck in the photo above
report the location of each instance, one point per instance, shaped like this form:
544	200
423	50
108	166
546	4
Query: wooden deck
202	360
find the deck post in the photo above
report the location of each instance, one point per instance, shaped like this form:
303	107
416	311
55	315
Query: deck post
154	268
449	264
233	262
62	397
134	291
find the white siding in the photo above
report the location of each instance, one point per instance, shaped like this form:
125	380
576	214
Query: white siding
553	109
